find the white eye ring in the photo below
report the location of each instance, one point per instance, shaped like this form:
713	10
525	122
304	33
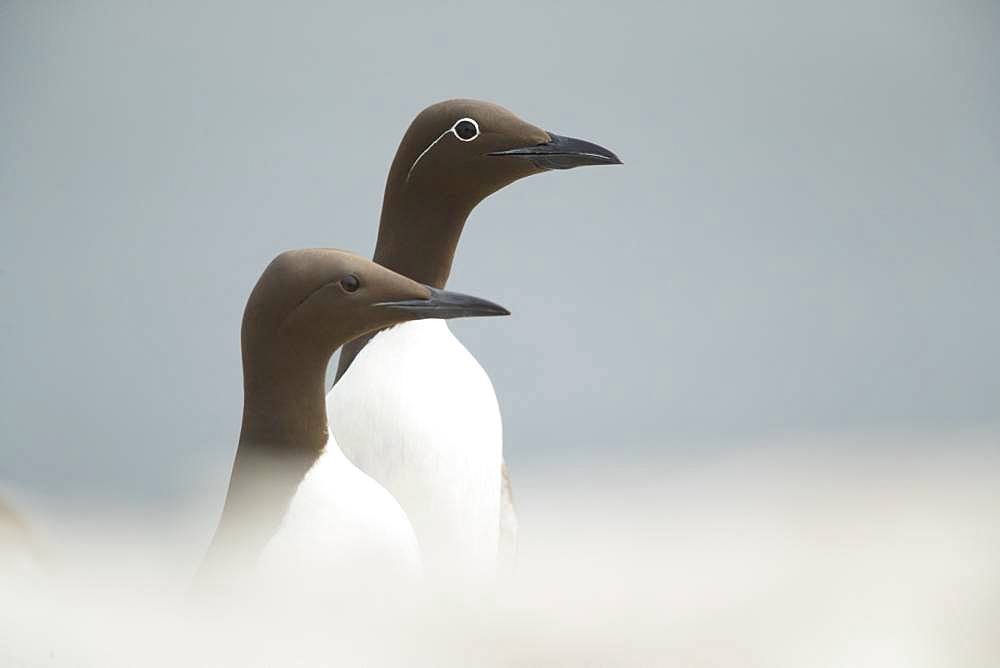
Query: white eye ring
454	129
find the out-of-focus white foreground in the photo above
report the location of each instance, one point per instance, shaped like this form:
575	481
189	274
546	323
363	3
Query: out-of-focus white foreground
808	552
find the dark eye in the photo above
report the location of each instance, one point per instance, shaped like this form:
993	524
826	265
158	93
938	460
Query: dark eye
466	129
350	283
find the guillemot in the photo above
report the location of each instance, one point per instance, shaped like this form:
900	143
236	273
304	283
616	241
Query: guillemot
412	407
295	503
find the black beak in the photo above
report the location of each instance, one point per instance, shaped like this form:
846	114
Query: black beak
444	305
564	153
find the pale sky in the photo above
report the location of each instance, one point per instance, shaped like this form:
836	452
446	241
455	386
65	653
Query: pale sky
804	236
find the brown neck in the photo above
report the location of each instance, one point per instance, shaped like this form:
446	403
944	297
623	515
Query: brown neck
284	403
284	432
417	237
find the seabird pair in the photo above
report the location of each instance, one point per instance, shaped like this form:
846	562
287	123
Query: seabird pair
413	469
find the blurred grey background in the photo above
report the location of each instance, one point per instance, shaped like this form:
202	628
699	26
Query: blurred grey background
804	237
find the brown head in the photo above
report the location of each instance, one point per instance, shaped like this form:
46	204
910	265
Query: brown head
464	150
453	155
310	302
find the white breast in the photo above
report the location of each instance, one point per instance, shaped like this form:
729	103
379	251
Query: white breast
342	532
417	413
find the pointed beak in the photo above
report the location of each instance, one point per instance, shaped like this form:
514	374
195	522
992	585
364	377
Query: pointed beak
564	153
443	304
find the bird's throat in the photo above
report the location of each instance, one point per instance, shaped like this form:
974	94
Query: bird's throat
417	237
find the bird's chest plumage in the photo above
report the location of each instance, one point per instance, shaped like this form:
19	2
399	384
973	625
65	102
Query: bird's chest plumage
417	413
341	528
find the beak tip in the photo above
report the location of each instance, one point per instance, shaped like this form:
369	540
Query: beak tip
610	157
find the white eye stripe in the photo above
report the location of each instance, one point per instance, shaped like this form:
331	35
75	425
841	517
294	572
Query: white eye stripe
453	130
